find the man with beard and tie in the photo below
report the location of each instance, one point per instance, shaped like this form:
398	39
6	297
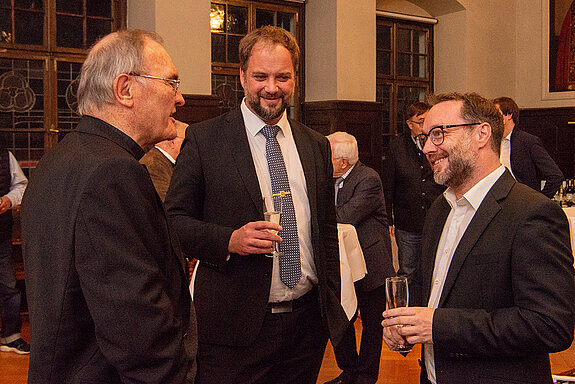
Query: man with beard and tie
495	283
263	316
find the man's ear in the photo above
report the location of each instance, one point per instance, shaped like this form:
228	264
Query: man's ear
484	134
123	90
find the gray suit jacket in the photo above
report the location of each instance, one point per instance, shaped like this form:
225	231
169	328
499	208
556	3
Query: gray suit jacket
509	296
360	202
215	190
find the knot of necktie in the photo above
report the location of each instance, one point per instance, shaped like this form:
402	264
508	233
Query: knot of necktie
270	131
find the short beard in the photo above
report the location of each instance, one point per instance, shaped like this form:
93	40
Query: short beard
460	168
267	114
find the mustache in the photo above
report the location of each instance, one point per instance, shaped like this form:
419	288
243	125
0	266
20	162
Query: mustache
266	95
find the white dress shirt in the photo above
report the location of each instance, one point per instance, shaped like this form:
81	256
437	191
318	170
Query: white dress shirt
298	188
18	181
505	155
462	212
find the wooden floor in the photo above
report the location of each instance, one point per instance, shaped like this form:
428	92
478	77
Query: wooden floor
394	368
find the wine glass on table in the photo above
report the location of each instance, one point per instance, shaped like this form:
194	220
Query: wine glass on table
272	213
397	294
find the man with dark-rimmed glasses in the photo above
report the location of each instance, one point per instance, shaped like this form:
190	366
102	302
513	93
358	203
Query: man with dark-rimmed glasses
409	189
495	281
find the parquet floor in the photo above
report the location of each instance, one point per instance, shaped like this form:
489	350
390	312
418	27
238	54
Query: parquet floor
394	368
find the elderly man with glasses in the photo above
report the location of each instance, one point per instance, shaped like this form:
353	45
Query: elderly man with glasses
495	283
107	286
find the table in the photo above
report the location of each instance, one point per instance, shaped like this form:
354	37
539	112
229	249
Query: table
352	266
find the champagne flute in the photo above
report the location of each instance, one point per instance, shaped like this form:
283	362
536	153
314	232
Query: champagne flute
397	294
272	213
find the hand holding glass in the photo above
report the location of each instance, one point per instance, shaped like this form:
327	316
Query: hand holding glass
397	294
272	213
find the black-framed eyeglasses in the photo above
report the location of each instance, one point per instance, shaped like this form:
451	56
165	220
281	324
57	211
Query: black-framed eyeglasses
436	134
174	83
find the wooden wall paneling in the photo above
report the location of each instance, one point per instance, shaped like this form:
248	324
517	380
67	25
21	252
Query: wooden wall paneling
552	126
361	119
198	108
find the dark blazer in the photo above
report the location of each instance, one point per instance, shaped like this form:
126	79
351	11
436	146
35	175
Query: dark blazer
107	290
215	190
160	169
360	202
531	163
408	185
509	296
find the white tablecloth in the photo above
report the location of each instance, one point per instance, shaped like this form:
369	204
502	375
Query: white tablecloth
352	266
570	212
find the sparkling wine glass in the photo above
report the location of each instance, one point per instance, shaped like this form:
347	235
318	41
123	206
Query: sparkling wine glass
272	213
397	294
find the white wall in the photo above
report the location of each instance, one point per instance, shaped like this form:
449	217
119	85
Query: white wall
476	49
321	50
185	27
340	50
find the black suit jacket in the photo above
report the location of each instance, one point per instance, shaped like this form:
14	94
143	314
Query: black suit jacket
215	190
531	163
408	185
107	290
360	202
509	296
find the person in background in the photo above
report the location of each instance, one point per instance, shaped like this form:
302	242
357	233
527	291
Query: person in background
494	292
360	202
107	286
160	160
260	318
12	186
409	189
524	154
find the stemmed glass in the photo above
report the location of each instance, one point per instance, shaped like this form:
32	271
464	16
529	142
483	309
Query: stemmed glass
397	294
272	213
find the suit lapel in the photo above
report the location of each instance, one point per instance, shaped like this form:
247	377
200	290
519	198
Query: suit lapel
236	140
487	211
307	159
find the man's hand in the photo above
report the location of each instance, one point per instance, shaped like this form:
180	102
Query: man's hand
254	238
411	325
5	205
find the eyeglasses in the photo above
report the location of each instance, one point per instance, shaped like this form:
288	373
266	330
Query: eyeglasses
175	84
436	134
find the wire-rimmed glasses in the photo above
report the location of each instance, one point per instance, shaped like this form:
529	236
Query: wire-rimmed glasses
174	83
436	134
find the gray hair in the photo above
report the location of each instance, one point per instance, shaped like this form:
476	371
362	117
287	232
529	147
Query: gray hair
114	54
344	145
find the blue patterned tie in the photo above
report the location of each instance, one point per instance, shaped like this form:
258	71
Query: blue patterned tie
290	268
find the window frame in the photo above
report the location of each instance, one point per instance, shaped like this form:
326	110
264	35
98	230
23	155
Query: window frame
298	9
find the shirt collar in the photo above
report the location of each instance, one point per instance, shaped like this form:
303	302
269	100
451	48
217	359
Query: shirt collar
478	192
254	123
168	156
346	174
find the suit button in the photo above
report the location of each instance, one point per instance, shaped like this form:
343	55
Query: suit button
423	180
421	166
422	193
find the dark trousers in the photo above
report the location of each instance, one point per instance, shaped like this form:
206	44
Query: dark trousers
289	349
9	294
363	368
